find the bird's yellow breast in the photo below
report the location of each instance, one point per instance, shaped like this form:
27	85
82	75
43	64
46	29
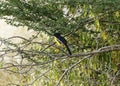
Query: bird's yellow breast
58	42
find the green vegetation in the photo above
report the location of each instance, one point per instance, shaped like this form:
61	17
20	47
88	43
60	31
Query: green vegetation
92	29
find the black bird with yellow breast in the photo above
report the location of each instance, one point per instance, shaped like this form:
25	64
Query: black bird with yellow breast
62	40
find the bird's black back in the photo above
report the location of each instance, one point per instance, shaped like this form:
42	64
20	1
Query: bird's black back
60	38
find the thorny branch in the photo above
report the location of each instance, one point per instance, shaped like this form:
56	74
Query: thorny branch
26	52
88	55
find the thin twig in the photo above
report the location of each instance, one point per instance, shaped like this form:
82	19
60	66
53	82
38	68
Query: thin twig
71	67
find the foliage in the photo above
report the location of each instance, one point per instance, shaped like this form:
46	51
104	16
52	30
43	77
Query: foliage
88	25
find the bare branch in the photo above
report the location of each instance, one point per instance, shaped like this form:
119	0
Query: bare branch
88	55
101	50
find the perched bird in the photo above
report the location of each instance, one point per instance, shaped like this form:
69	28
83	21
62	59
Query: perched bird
63	41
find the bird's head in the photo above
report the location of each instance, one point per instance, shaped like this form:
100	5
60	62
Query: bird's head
57	34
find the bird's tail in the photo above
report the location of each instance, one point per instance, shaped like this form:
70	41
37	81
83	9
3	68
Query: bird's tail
69	51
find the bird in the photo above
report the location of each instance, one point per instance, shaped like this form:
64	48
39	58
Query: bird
63	41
